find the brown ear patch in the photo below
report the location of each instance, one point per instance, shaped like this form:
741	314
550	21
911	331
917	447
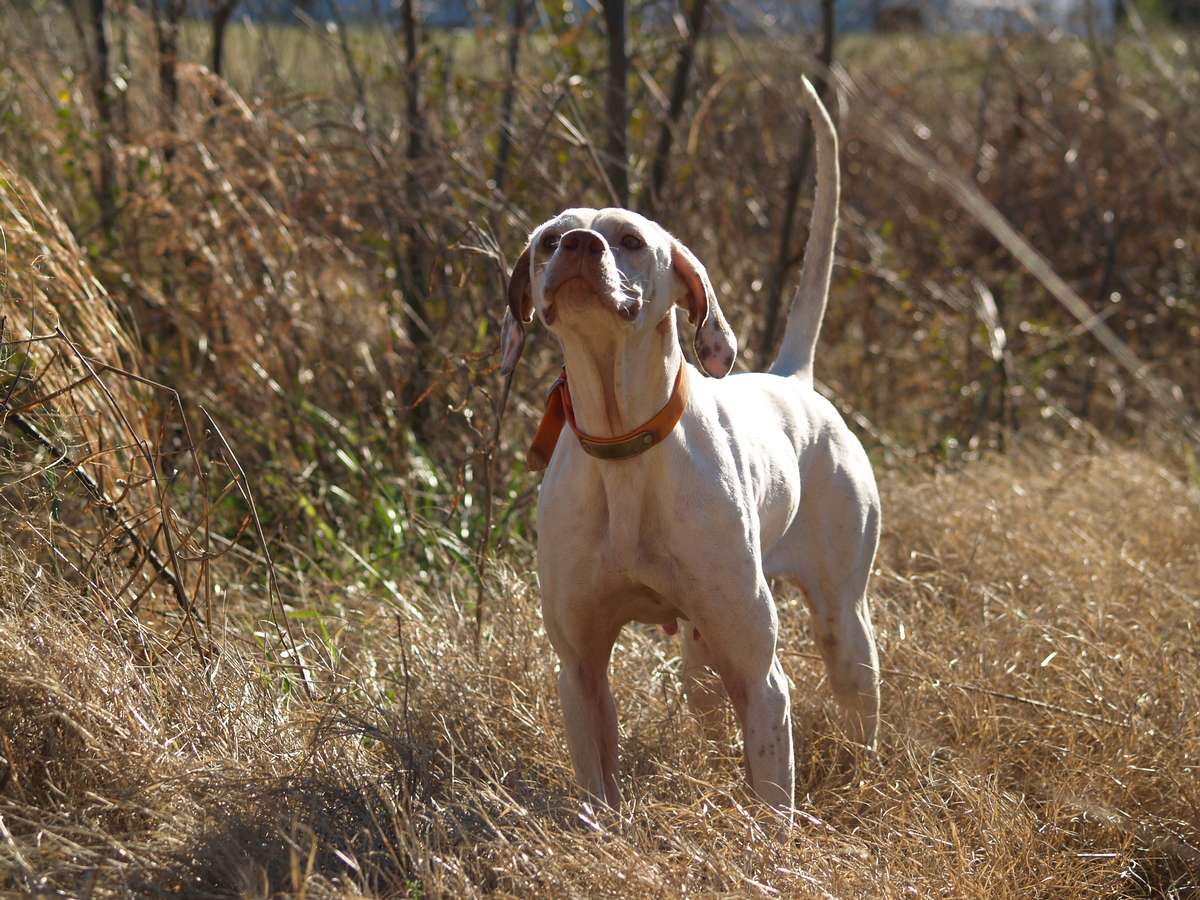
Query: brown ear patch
512	342
520	293
518	314
715	345
713	355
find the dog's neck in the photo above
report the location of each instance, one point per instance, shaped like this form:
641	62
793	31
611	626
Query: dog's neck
620	381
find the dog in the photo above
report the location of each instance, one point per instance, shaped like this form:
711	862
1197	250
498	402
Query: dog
673	498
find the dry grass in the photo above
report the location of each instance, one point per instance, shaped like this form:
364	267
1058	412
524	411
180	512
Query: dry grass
1037	623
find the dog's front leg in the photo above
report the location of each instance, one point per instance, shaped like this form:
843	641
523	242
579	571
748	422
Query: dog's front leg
591	724
584	645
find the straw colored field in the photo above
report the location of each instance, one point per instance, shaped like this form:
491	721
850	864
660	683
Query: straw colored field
1038	625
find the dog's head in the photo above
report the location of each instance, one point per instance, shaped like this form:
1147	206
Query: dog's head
612	271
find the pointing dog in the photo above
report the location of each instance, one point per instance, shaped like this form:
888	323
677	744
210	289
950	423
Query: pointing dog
676	493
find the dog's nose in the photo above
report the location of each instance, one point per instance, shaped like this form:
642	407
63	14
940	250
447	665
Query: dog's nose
582	241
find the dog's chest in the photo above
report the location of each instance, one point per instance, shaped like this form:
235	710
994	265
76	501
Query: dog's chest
606	523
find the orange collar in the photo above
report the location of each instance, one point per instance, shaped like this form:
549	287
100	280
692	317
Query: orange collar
624	446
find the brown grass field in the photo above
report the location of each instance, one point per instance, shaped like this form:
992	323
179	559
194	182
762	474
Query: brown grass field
263	631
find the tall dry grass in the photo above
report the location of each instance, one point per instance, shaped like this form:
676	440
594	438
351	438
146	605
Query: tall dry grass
283	226
1036	619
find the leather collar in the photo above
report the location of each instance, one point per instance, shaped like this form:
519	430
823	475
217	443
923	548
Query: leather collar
623	446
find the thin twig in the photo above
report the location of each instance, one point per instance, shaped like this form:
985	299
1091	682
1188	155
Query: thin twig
488	501
101	499
274	594
177	576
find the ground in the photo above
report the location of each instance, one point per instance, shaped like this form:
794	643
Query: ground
1037	622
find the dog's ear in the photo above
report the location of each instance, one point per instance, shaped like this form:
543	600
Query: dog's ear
512	342
518	314
520	294
714	343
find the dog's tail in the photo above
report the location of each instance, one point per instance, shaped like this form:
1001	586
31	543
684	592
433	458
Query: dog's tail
808	303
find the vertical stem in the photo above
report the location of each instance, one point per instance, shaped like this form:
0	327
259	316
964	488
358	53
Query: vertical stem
1108	214
652	193
785	258
504	146
221	14
485	539
125	62
616	101
985	98
106	190
166	33
413	81
416	320
356	78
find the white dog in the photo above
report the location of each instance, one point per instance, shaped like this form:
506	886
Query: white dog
676	497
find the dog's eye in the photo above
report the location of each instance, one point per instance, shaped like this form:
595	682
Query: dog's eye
632	242
549	241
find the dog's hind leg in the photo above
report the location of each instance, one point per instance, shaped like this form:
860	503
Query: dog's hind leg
701	686
831	561
841	624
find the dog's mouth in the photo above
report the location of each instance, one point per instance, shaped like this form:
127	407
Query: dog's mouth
599	286
630	302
